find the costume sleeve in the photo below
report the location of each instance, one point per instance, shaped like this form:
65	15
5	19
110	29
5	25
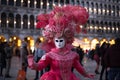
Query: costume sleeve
79	67
44	62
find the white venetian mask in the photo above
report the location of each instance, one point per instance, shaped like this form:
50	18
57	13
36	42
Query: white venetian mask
59	42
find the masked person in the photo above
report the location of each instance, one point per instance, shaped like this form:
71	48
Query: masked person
59	33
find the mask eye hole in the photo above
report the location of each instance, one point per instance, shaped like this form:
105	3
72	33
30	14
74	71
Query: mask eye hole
56	40
61	40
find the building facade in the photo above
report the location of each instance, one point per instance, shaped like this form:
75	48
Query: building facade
18	20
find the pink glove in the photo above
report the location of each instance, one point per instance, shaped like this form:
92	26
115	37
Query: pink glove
30	61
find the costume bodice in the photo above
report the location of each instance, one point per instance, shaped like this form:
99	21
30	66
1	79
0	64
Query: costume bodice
62	62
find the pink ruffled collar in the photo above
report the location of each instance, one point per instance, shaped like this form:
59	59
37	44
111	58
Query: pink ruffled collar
62	51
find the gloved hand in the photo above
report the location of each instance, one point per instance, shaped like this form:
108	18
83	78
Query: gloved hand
30	61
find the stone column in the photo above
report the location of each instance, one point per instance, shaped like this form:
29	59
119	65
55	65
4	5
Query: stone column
0	2
7	21
14	22
14	3
0	19
35	2
21	3
21	21
35	22
7	2
28	3
28	21
41	4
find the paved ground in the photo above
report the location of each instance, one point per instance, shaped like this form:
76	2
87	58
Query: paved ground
89	65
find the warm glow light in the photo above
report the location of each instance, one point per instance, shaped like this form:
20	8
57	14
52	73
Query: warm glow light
93	43
10	39
113	28
28	38
22	22
14	38
28	23
112	11
117	28
14	22
35	2
91	27
112	41
5	40
21	1
86	45
35	24
104	28
103	40
103	10
31	42
90	9
32	45
95	10
76	42
19	43
99	10
100	27
7	21
32	48
81	26
53	4
107	11
48	4
41	39
108	28
28	2
96	27
41	3
2	39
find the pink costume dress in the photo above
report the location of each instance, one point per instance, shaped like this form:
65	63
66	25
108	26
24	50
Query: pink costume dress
60	65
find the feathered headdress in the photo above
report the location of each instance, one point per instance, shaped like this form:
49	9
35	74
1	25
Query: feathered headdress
62	21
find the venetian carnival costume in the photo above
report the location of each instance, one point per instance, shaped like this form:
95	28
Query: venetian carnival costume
60	26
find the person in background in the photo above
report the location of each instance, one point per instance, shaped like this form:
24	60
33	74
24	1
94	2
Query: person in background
97	58
2	58
37	56
9	53
91	54
112	61
103	50
24	53
17	52
81	53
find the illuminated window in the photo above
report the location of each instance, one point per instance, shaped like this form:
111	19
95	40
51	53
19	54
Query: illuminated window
86	45
112	41
93	43
102	41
